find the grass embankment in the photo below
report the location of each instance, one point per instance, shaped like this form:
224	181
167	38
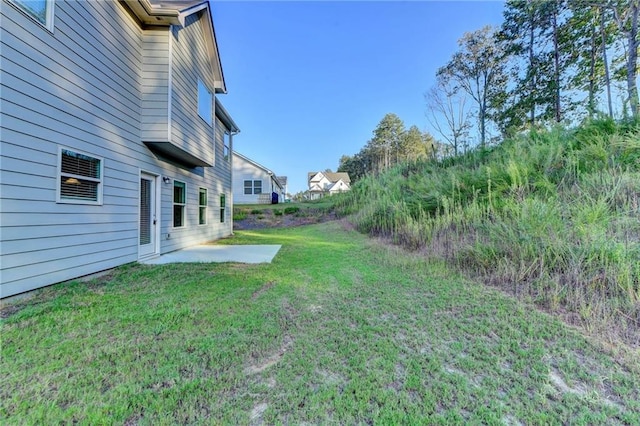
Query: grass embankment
553	217
338	329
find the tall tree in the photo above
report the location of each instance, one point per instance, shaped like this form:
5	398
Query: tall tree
386	141
474	68
448	113
625	14
415	145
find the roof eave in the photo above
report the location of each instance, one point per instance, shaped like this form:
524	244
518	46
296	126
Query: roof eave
226	119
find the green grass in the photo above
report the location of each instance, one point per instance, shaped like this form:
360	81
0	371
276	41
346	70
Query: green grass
338	329
552	216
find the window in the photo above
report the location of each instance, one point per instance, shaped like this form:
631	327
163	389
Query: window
223	206
205	103
179	201
225	151
252	187
202	208
80	178
39	10
257	187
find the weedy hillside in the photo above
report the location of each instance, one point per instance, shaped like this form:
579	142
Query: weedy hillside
552	217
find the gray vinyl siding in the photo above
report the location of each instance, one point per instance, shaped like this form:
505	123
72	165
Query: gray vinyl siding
155	85
49	87
189	63
82	87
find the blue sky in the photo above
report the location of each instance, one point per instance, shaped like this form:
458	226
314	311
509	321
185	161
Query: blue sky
309	81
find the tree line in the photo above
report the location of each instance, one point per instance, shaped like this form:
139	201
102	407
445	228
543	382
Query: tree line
391	144
551	61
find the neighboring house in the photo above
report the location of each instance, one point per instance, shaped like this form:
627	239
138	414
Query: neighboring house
114	145
283	184
253	183
327	183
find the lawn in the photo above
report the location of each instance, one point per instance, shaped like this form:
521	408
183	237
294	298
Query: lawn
338	329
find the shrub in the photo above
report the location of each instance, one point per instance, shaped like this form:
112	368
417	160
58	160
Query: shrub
256	211
291	210
277	212
239	214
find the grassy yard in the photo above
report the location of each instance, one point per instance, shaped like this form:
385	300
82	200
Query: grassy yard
338	329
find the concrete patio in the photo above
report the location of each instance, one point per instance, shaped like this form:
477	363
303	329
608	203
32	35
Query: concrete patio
207	253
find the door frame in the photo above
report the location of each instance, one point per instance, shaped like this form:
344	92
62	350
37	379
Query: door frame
155	178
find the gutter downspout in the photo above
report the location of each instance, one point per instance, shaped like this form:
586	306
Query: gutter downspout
231	135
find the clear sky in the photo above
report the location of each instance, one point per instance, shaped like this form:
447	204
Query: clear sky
309	81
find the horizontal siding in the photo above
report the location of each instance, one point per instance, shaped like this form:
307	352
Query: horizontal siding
155	86
85	87
243	170
77	87
189	63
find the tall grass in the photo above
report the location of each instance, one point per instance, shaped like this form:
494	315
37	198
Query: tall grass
552	216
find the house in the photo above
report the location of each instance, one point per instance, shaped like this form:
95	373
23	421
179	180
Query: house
115	147
284	185
253	183
327	183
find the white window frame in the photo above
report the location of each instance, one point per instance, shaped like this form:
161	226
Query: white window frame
59	198
226	152
49	6
183	205
204	206
203	88
254	187
223	208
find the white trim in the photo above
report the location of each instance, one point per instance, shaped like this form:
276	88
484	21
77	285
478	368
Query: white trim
182	16
59	199
157	208
170	83
206	206
49	8
173	203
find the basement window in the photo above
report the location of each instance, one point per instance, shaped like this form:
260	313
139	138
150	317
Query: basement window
80	178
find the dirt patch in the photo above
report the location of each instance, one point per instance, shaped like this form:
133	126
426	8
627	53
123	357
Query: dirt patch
7	310
272	360
262	290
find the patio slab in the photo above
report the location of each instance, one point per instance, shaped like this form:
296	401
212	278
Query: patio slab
215	254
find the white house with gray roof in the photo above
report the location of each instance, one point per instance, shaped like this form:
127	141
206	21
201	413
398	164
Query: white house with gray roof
327	183
254	183
115	146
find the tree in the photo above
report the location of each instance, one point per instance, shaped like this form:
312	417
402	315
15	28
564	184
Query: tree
386	140
354	165
592	30
474	69
625	14
415	145
448	114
